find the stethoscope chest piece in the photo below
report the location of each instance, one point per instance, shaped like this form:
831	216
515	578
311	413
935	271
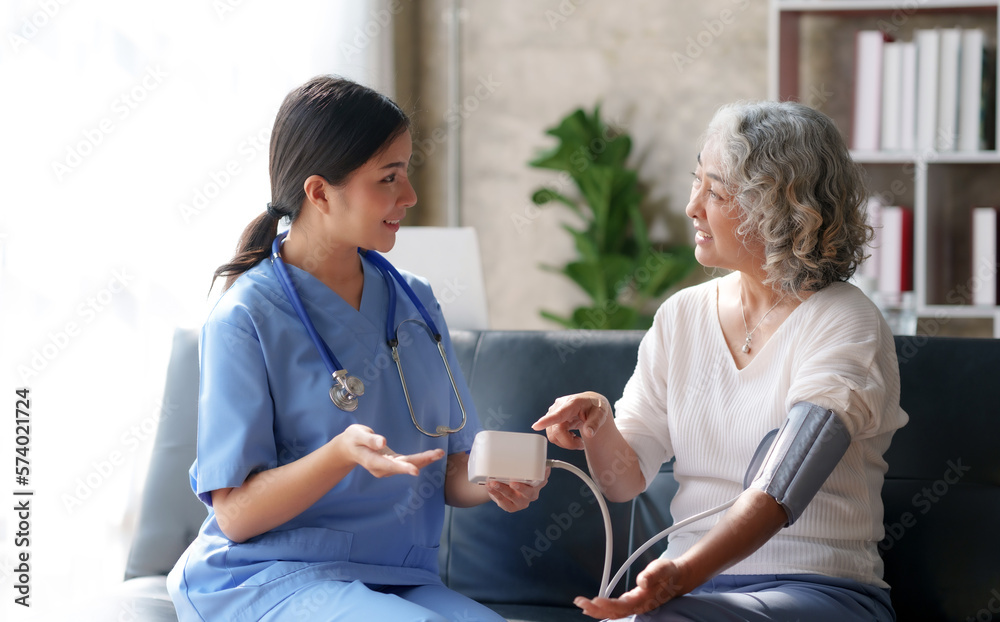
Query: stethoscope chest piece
346	390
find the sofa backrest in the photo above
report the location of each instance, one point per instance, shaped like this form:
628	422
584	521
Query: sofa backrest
170	514
941	493
942	490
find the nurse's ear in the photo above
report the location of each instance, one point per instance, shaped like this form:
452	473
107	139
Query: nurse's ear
320	194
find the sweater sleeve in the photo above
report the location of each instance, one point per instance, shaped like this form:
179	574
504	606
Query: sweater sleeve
848	364
641	414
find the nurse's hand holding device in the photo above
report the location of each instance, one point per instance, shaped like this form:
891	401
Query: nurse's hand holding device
334	421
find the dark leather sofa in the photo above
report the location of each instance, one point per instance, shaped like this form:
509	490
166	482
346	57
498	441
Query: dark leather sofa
941	551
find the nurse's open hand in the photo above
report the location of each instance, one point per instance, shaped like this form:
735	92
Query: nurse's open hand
369	450
585	412
515	495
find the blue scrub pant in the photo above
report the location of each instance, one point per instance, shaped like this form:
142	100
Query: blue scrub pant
776	598
343	601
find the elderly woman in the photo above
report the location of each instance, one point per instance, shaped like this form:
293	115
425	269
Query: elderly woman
780	342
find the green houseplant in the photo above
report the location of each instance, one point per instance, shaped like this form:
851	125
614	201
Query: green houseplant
616	265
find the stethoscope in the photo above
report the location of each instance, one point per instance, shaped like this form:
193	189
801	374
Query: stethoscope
346	388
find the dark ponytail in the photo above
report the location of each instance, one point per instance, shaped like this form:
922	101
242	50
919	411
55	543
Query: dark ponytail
254	245
330	127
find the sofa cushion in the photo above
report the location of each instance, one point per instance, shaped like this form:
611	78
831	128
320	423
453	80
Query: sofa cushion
143	599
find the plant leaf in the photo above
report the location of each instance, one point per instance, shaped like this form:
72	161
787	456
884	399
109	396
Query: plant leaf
617	270
596	185
566	322
590	276
613	247
585	244
545	195
615	317
607	147
658	271
615	149
573	132
624	208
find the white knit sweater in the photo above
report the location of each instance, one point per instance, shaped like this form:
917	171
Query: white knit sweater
687	400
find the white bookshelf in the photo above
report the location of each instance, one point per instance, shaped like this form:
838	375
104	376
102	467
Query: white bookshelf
942	186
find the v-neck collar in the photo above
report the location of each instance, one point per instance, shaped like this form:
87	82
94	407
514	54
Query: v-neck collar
318	298
764	349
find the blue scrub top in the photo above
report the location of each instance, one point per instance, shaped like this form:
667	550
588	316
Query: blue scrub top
264	402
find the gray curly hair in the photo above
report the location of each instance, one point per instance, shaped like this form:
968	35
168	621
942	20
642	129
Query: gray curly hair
798	189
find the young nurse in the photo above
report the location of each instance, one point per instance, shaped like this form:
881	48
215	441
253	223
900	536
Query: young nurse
323	509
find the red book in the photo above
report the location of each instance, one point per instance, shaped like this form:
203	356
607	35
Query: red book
895	241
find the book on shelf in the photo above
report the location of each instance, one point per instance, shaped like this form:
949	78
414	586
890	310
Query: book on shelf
970	96
892	95
867	90
985	259
948	87
928	46
988	109
894	240
908	96
935	93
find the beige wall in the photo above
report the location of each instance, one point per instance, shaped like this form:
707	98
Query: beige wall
660	67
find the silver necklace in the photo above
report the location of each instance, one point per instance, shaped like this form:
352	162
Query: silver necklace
746	346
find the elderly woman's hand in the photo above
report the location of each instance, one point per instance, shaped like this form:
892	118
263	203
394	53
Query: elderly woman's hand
655	585
585	412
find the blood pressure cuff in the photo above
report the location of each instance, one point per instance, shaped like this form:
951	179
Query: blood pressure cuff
804	452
